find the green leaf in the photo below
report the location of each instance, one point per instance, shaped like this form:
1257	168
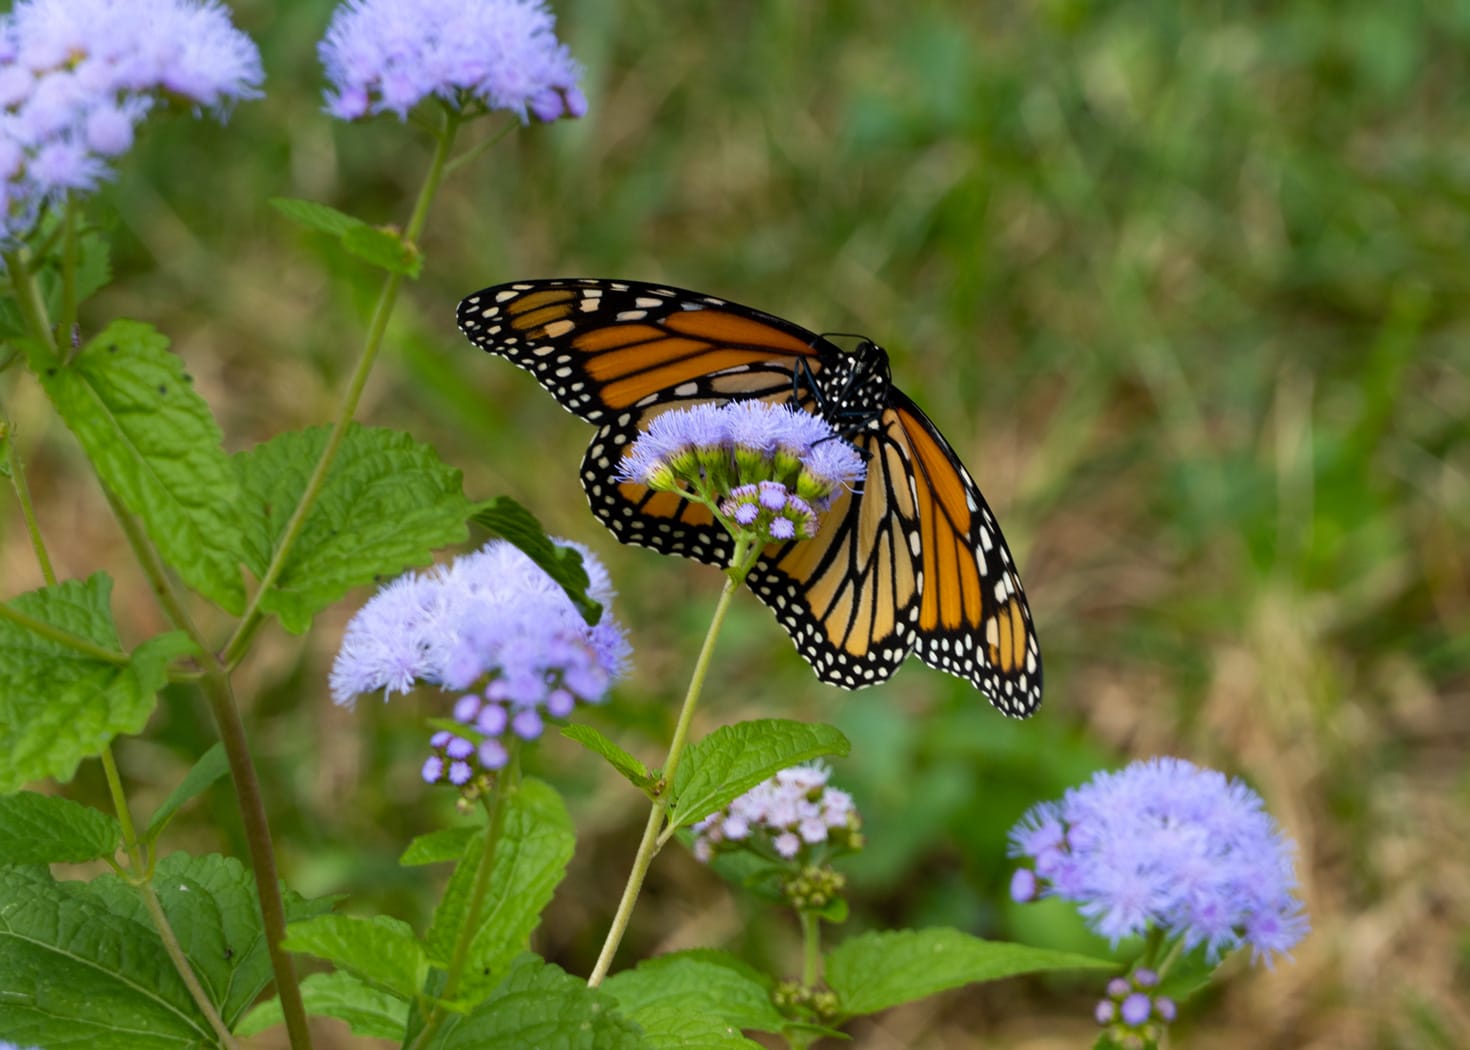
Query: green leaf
531	857
696	999
314	216
874	971
539	1005
382	951
384	248
154	443
369	1012
43	829
734	759
59	706
211	904
438	846
513	522
631	768
78	976
387	503
210	767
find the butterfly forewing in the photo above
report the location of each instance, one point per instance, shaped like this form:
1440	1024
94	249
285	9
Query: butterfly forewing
912	561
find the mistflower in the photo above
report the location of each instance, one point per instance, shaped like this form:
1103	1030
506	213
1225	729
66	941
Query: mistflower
787	814
387	56
767	468
77	76
494	628
1168	845
1132	1013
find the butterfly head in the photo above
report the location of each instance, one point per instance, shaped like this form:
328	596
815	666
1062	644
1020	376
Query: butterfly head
852	390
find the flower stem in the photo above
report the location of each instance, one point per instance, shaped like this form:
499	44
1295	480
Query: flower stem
141	879
23	494
507	783
649	846
811	939
372	343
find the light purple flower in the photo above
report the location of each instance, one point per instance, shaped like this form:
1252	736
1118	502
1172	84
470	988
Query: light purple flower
792	810
495	629
387	56
78	76
1166	844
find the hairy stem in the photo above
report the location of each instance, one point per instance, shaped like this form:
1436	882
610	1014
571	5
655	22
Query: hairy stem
649	846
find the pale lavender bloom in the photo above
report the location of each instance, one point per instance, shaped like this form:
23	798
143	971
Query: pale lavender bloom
1135	1009
390	55
78	76
495	629
669	443
793	809
1164	843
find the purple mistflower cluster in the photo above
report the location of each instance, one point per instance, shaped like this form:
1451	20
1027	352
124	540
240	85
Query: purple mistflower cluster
795	808
77	76
494	627
771	468
387	56
1164	843
1132	1012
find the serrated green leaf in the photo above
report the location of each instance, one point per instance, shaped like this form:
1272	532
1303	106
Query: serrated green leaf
211	904
154	443
438	846
539	1005
210	767
78	976
59	706
386	504
315	216
696	999
672	1027
43	829
734	759
381	950
530	861
874	971
517	525
383	248
368	1011
630	767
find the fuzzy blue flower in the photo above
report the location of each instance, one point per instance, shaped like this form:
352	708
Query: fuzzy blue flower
494	628
387	56
767	469
77	77
793	809
1166	844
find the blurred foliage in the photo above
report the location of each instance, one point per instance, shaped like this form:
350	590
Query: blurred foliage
1185	285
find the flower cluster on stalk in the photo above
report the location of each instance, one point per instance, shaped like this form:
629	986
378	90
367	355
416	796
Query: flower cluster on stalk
1134	1014
494	628
78	76
1168	846
387	56
767	470
793	816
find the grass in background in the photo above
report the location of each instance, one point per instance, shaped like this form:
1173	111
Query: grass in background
1184	286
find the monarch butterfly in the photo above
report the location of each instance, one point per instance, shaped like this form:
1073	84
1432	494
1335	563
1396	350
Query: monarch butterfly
912	563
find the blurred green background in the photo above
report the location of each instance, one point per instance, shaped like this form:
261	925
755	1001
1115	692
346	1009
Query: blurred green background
1185	285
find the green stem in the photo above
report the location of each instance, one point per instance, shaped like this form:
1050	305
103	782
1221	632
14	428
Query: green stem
811	939
23	494
377	327
140	877
51	633
70	250
28	298
221	696
507	783
649	846
220	693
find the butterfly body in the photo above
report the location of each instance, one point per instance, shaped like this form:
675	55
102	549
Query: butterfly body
911	562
